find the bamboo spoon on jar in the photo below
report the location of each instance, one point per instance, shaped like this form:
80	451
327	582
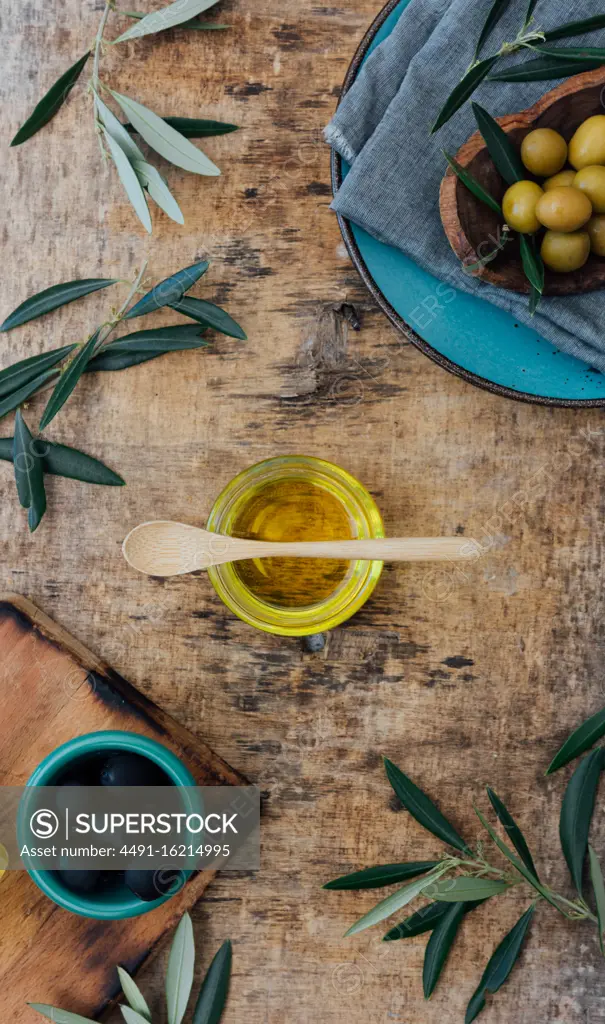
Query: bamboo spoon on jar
162	548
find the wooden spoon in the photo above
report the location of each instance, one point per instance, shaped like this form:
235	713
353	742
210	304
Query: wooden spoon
163	548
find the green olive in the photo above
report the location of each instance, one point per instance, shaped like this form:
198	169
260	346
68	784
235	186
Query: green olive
591	181
587	146
561	180
564	209
565	251
596	230
544	152
519	206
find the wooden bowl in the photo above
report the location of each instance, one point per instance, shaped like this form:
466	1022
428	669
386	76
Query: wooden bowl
472	228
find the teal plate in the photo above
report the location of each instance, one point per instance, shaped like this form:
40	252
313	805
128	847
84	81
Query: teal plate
469	337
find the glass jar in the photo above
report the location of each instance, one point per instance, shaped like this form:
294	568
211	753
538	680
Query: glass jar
358	578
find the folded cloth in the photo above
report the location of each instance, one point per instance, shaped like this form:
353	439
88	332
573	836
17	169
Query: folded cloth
382	128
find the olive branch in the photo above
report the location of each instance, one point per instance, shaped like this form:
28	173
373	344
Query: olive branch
550	62
168	136
61	370
461	881
210	1003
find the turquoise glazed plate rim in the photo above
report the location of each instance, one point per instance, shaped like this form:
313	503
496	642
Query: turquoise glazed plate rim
503	357
122	905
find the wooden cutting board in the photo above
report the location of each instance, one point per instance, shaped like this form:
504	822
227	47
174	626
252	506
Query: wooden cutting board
52	689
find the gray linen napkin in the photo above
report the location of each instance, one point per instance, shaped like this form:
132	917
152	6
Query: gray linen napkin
382	129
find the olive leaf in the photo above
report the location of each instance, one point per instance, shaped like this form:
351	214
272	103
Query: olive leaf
581	739
132	1017
501	243
580	53
495	13
195	23
395	902
130	181
506	158
68	380
26	370
117	130
53	298
179	974
171	289
60	460
59	1016
134	995
575	28
164	139
425	919
195	127
210	315
439	945
464	888
472	184
29	473
576	813
513	831
140	347
500	965
464	90
384	874
167	17
543	69
598	887
151	179
51	103
518	864
16	398
421	808
215	988
533	268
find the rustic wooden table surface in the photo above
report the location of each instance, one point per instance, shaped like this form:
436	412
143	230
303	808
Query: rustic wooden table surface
462	679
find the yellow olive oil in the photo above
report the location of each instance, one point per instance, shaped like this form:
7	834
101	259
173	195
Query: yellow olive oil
292	509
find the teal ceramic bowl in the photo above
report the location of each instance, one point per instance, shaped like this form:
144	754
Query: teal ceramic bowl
119	903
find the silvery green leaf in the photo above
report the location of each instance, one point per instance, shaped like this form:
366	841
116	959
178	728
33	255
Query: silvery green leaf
151	179
133	994
130	181
68	380
59	1016
395	902
53	298
463	889
117	130
132	1017
165	140
179	975
158	21
51	102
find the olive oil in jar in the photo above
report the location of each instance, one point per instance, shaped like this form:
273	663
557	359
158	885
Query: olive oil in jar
286	510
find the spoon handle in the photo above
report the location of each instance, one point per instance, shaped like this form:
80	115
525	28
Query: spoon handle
384	549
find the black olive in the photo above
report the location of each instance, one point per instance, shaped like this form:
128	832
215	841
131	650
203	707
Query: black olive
68	796
150	885
132	770
79	881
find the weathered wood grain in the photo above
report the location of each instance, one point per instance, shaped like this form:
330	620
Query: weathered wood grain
462	680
